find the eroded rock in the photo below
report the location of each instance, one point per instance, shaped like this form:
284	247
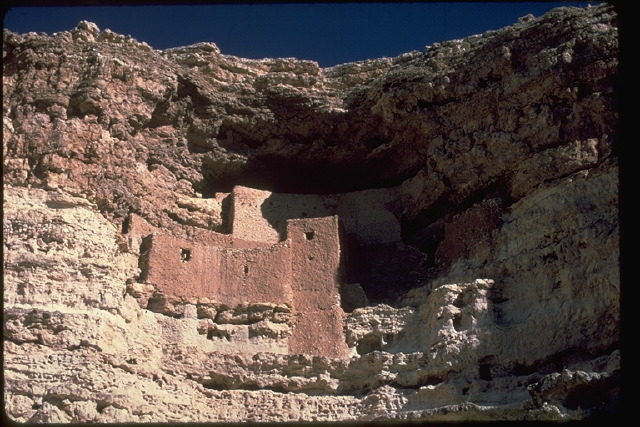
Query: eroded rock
195	237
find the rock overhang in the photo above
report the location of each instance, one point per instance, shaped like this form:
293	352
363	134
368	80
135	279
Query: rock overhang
519	186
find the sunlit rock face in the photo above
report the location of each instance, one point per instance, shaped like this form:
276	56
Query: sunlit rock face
193	237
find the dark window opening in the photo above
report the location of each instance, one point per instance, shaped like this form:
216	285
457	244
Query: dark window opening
246	269
185	255
485	372
309	235
217	333
126	224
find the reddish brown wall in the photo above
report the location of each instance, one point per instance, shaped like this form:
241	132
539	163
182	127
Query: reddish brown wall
138	227
228	276
301	271
469	231
318	325
173	275
255	275
249	222
369	215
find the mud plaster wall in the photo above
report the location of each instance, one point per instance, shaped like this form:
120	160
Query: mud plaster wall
136	228
247	220
469	232
370	216
302	271
318	317
254	276
373	249
181	268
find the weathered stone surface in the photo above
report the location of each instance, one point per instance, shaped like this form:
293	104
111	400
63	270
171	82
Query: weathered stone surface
463	262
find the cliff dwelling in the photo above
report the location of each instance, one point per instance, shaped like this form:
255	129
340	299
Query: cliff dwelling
314	257
191	236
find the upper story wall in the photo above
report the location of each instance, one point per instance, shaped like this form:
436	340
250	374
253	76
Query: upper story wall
247	220
137	228
315	248
180	268
369	216
258	275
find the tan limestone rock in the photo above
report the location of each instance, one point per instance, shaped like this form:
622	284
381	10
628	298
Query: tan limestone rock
189	236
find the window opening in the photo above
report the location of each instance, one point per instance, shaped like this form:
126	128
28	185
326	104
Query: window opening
185	255
309	235
246	269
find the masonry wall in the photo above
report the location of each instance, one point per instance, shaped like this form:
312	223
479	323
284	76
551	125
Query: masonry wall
229	276
255	275
248	222
370	216
181	268
302	271
318	317
138	228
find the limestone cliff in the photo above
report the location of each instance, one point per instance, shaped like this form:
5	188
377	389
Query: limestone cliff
192	236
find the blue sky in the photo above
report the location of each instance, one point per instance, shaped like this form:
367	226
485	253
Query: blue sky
330	33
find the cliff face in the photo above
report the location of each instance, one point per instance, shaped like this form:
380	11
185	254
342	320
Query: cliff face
476	186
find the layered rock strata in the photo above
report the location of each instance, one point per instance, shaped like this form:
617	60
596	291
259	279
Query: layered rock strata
471	191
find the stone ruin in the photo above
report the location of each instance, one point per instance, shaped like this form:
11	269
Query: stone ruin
505	150
285	254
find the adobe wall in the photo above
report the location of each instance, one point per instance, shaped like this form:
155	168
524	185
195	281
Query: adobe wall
301	271
468	232
259	218
255	275
138	228
370	216
180	268
373	216
371	222
247	221
318	325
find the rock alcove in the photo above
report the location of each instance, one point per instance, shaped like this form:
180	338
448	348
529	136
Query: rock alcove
176	223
